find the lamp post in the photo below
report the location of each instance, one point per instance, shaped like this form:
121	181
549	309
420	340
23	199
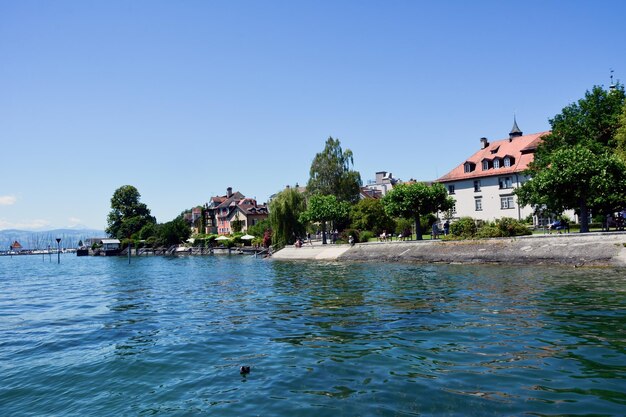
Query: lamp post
58	239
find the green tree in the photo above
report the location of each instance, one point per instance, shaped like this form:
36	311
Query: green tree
128	215
574	166
416	199
174	232
258	230
577	178
285	210
323	209
331	173
592	121
369	214
620	135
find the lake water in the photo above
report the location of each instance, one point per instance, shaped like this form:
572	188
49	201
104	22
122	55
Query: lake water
166	337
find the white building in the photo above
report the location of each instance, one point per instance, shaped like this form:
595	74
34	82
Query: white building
377	188
483	184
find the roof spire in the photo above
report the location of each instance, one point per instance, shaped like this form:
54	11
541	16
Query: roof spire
515	130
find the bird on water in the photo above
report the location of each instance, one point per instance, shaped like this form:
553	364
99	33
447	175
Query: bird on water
244	370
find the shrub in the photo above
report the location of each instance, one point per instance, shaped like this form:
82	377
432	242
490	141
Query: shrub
512	227
489	230
366	235
464	228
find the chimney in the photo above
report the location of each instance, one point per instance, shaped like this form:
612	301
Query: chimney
484	143
229	192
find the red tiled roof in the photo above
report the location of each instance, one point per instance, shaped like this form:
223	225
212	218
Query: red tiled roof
520	148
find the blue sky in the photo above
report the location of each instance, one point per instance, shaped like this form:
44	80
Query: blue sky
183	99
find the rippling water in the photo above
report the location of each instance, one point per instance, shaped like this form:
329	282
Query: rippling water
166	336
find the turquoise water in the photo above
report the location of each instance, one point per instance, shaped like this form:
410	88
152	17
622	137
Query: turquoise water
166	337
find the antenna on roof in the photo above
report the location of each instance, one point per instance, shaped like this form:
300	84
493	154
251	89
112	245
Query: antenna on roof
612	86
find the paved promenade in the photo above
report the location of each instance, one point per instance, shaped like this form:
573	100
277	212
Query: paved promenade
317	251
574	249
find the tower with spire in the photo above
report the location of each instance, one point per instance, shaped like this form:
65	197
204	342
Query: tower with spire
515	130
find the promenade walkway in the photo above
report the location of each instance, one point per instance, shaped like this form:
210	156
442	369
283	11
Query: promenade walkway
589	249
317	251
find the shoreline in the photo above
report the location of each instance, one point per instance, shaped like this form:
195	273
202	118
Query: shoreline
602	249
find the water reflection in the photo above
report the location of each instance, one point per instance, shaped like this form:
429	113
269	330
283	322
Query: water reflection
167	337
431	322
131	324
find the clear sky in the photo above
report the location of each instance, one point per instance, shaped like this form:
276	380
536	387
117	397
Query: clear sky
183	99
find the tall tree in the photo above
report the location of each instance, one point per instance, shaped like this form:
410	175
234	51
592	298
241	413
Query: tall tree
592	121
620	135
575	165
128	215
331	173
413	200
577	178
285	210
369	214
173	232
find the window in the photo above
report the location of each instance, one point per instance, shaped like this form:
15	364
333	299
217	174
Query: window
485	165
453	209
506	202
451	189
507	162
505	182
496	163
469	167
477	186
478	203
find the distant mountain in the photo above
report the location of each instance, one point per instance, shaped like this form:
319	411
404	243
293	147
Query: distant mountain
41	239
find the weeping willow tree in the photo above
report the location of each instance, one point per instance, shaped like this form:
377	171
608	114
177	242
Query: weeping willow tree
331	173
285	211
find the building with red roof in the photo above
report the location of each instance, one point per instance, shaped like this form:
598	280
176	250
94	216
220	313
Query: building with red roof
223	211
483	184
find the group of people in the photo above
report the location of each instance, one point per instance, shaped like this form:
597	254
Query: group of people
308	240
404	235
616	220
436	231
558	226
333	236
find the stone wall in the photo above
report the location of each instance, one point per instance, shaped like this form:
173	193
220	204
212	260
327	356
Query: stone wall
597	249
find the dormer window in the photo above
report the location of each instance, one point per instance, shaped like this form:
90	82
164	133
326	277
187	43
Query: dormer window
495	150
485	164
469	167
496	163
507	161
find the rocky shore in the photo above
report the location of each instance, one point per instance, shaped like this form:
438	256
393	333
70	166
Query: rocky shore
592	249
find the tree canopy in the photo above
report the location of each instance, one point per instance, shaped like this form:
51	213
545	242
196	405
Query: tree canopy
576	165
577	178
173	232
323	209
411	200
369	214
592	121
285	210
128	215
331	173
620	135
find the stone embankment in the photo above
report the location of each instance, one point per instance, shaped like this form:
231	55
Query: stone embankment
593	249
